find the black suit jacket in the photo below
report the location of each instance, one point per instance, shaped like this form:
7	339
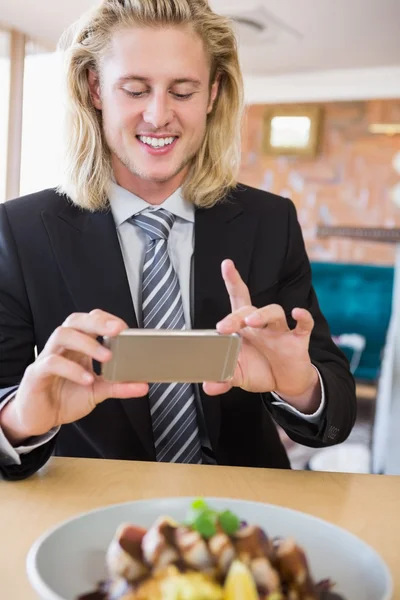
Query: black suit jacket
56	259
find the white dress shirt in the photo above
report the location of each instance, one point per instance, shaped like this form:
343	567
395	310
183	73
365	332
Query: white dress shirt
133	244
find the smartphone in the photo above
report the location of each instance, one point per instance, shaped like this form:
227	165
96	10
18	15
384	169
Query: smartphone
167	356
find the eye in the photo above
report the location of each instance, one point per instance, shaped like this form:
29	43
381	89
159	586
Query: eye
182	96
134	94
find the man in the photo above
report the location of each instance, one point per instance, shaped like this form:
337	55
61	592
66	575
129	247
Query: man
154	106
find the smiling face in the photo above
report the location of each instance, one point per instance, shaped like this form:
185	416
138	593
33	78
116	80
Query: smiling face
154	96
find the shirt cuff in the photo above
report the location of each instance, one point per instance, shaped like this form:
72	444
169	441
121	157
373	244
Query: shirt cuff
12	456
315	417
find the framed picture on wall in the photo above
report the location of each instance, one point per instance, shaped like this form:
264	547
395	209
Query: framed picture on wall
292	130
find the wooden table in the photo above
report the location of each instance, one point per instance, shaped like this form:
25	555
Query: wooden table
366	505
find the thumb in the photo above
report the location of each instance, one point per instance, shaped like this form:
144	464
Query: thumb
215	389
305	322
114	389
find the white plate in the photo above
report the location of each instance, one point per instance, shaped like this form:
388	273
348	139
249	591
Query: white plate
69	560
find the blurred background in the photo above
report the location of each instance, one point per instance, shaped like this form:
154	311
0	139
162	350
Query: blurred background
322	126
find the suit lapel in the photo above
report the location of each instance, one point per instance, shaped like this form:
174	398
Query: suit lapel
224	231
87	249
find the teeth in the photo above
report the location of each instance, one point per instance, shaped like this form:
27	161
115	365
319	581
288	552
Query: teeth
156	142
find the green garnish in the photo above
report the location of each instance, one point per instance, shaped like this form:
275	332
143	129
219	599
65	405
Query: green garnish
205	520
197	508
199	504
229	522
205	524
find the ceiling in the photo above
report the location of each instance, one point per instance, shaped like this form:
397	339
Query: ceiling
301	35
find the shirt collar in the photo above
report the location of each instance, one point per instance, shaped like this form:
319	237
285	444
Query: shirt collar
124	205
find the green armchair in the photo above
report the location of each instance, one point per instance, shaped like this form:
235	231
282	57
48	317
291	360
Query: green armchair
357	299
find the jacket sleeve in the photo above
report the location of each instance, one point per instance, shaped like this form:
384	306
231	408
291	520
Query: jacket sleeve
17	342
296	290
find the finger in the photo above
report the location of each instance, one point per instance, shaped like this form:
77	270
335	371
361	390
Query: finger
108	389
305	321
214	389
238	291
96	323
55	365
65	338
271	316
234	322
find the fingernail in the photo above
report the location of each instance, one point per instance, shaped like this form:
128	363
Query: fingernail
87	377
111	324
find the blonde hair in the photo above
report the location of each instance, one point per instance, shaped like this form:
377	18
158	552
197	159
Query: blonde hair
88	170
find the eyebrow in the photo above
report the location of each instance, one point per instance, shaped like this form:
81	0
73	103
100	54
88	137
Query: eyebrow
126	78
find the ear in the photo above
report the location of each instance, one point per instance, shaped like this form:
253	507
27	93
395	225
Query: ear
94	87
213	94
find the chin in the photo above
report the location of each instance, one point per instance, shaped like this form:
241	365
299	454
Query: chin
158	174
157	177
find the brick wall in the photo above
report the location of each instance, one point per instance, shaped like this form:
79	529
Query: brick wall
353	181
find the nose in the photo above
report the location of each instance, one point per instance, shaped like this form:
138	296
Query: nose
158	112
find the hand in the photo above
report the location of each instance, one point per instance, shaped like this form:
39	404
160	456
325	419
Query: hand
272	357
60	386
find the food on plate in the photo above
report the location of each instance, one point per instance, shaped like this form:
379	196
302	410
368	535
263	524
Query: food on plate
210	556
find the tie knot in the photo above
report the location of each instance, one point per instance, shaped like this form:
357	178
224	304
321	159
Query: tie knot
157	224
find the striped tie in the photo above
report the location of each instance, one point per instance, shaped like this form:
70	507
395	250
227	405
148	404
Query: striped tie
172	405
